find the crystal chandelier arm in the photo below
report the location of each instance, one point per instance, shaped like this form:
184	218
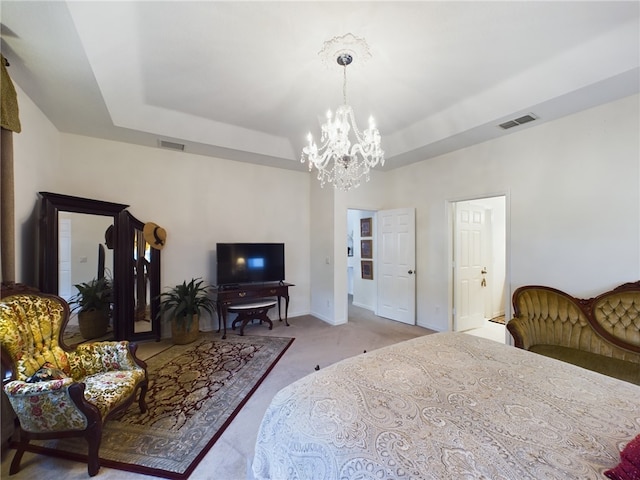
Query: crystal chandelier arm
352	120
340	161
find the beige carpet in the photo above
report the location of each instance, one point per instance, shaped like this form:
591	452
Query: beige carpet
317	343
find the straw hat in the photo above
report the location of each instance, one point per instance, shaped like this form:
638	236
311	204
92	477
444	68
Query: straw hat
108	237
155	236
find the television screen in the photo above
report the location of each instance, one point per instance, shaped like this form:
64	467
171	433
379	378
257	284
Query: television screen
249	263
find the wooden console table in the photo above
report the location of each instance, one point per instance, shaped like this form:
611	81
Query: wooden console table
226	296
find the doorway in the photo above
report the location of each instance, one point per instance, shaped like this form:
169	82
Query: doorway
361	292
381	262
479	266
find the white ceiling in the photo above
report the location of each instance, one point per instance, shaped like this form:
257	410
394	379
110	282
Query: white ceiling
244	81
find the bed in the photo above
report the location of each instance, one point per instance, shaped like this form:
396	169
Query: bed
447	406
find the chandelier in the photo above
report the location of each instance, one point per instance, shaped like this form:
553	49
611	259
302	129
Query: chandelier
345	154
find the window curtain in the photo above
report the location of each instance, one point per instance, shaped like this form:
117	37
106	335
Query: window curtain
9	123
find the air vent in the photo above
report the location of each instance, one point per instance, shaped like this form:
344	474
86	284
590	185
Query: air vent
172	145
518	121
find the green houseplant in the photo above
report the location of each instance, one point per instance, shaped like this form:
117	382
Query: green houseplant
185	302
93	304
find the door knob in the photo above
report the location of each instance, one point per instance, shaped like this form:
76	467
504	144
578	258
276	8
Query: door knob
410	272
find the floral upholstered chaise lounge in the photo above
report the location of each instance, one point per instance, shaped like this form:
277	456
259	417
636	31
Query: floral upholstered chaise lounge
60	392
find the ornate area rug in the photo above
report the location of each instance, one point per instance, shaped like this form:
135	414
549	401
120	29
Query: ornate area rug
195	391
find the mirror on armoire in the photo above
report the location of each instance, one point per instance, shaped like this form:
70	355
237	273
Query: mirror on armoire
76	247
141	289
86	250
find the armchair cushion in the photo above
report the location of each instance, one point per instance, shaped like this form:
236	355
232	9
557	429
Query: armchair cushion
108	390
109	372
30	331
613	367
47	372
98	357
45	406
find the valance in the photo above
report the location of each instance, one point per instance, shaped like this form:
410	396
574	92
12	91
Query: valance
9	116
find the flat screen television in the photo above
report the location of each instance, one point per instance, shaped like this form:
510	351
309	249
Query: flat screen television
239	263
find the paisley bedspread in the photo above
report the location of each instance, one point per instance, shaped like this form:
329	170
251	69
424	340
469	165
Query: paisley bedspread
447	406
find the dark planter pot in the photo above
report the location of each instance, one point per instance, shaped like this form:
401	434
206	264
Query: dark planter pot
179	333
93	324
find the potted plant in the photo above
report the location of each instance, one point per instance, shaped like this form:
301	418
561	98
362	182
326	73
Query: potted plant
185	302
93	304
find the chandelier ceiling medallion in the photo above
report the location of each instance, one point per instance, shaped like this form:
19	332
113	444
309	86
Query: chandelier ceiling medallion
345	154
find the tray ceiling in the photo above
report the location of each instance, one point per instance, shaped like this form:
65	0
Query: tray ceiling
244	81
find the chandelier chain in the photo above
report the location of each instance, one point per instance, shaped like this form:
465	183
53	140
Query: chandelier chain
344	84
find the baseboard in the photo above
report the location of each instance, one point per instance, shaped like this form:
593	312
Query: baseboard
362	305
432	327
324	318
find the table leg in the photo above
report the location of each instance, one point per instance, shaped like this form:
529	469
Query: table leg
279	315
223	319
286	310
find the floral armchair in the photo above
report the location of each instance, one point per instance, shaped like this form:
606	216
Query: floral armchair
60	392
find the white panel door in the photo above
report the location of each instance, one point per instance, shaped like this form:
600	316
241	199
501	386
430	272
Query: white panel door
468	269
396	258
64	258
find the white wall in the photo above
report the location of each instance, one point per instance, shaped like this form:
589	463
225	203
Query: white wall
324	261
352	216
329	212
573	187
36	155
198	200
497	276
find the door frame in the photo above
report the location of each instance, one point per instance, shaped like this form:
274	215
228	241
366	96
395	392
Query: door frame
450	211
